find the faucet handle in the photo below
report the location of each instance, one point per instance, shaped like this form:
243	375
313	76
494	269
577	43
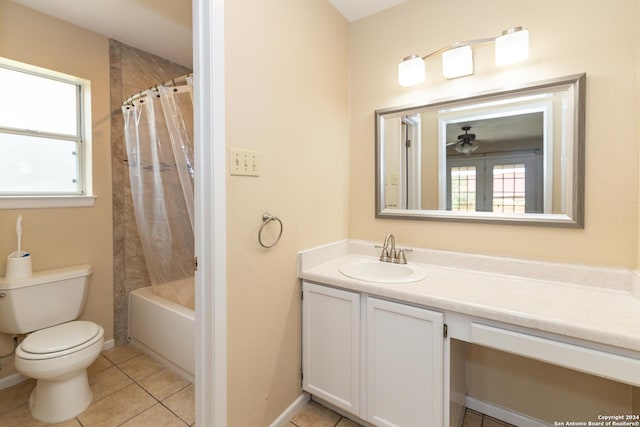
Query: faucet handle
400	258
384	255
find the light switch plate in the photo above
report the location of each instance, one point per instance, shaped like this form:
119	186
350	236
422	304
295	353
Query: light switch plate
244	162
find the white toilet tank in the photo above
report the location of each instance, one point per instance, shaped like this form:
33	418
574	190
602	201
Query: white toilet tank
44	299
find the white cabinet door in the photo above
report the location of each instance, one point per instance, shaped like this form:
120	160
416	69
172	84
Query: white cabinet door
331	345
404	365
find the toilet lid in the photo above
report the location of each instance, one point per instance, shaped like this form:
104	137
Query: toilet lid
60	337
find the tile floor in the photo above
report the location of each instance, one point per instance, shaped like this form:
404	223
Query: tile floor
129	389
476	419
316	415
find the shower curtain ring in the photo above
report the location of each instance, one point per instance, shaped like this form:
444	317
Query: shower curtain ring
266	219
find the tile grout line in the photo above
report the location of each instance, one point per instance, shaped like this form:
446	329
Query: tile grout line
173	413
152	396
122	361
136	382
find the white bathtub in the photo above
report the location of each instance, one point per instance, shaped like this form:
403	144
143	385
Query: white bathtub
163	329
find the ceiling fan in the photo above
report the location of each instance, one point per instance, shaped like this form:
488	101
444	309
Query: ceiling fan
466	142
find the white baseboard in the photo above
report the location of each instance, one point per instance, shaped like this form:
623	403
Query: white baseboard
13	379
291	411
504	414
108	344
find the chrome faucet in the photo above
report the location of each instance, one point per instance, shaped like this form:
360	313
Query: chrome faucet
385	255
389	252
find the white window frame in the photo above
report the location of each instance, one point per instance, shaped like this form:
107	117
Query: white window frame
85	197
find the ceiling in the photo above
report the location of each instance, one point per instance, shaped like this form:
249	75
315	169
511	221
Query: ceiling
161	27
356	9
519	132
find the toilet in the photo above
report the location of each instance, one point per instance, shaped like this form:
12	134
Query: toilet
58	349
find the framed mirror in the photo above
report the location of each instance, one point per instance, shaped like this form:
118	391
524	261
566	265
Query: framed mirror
511	156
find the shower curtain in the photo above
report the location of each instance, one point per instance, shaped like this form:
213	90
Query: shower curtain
158	130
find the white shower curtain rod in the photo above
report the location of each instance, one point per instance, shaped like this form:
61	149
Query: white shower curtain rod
178	81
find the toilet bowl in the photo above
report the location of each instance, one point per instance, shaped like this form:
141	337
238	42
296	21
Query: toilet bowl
58	349
58	358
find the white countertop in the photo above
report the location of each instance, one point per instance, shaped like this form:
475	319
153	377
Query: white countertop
588	303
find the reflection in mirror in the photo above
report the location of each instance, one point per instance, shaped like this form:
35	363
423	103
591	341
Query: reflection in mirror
514	156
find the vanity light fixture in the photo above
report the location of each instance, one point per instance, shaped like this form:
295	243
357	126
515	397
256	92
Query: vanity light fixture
457	62
457	59
411	71
512	46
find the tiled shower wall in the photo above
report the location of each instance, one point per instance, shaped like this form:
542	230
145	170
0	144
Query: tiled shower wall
132	70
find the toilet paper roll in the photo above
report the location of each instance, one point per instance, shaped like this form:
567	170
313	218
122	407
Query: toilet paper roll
18	265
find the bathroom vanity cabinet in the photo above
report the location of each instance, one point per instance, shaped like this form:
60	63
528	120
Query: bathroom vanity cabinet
394	364
379	360
394	354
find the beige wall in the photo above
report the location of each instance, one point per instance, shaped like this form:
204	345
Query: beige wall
63	237
287	98
566	37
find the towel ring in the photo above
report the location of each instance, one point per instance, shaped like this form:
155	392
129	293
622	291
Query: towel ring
266	219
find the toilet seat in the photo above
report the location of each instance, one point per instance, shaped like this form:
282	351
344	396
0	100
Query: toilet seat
59	340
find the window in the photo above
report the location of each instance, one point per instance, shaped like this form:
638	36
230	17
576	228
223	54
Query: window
501	184
44	138
463	188
509	188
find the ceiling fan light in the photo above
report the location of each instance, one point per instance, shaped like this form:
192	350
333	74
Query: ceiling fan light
466	148
512	46
411	71
457	62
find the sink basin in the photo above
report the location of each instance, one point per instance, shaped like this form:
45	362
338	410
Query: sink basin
382	272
